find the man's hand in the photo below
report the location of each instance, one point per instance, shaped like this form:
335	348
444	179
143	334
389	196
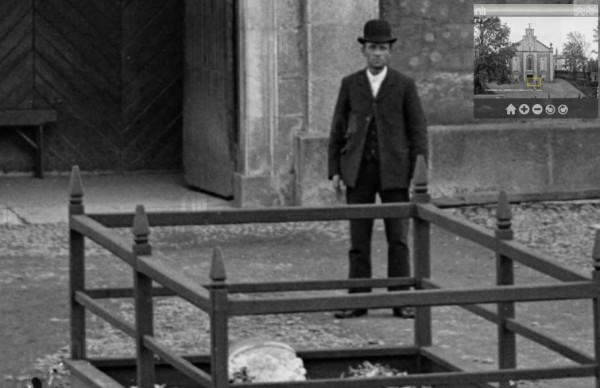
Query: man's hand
338	184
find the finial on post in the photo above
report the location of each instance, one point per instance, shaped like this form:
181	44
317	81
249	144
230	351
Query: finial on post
503	218
217	267
420	181
141	231
75	192
596	251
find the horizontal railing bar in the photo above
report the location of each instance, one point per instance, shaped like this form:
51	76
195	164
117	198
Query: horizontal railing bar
480	311
573	290
114	293
247	288
549	342
178	362
316	285
268	215
535	260
525	331
88	375
310	353
443	379
124	362
102	235
486	238
175	281
105	314
369	351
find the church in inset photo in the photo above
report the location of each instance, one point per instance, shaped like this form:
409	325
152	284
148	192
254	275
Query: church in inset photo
533	59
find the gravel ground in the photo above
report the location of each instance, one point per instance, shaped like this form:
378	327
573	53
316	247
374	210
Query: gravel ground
564	230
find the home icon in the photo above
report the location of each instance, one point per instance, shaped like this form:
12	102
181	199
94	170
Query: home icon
511	110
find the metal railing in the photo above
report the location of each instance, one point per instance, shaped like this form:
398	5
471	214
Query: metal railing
214	298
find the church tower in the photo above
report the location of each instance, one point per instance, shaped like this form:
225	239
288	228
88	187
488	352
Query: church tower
533	59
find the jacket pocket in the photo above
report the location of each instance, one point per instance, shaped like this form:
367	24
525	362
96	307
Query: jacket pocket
352	126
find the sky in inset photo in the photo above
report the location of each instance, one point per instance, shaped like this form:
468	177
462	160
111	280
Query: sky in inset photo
553	29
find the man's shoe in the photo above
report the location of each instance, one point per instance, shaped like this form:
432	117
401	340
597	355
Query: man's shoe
406	312
350	313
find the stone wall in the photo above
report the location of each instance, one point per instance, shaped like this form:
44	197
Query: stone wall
435	48
470	163
554	160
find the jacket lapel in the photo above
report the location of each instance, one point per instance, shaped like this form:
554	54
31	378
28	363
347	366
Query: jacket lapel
363	84
388	84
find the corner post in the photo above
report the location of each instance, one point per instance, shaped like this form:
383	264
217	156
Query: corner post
507	344
219	342
144	316
422	253
76	267
596	301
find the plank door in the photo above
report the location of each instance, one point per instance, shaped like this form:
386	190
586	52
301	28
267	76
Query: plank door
210	110
16	55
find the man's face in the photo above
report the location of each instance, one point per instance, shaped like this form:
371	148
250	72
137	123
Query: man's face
377	55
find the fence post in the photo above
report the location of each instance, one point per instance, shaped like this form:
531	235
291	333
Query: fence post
421	252
144	317
219	345
76	267
596	278
507	344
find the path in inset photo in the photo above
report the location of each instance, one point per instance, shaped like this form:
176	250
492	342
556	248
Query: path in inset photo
560	88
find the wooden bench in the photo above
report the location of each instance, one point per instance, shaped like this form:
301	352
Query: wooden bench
30	118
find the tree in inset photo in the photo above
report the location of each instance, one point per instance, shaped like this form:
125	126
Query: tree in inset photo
492	52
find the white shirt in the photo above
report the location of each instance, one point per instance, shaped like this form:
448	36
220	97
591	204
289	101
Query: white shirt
376	80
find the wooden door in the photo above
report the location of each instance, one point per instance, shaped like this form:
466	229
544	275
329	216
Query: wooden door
210	111
16	55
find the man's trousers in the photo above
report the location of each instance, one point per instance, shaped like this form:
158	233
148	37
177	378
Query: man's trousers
367	186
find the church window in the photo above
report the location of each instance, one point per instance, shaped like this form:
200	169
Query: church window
530	62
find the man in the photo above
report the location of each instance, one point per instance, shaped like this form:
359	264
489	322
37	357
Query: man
378	130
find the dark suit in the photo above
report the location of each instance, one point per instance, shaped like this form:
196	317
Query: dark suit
373	146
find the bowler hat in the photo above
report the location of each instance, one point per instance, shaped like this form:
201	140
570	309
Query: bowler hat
377	31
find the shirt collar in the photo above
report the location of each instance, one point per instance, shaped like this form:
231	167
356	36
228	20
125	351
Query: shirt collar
379	77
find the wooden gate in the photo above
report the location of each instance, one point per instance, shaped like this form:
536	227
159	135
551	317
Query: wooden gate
16	55
210	111
112	69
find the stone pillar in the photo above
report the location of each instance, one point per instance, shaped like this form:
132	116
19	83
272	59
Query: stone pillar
524	69
551	66
257	101
292	55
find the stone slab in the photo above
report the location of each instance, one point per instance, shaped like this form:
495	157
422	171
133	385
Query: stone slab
254	191
40	201
546	160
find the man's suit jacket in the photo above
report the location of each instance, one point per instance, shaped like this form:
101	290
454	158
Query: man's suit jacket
401	128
